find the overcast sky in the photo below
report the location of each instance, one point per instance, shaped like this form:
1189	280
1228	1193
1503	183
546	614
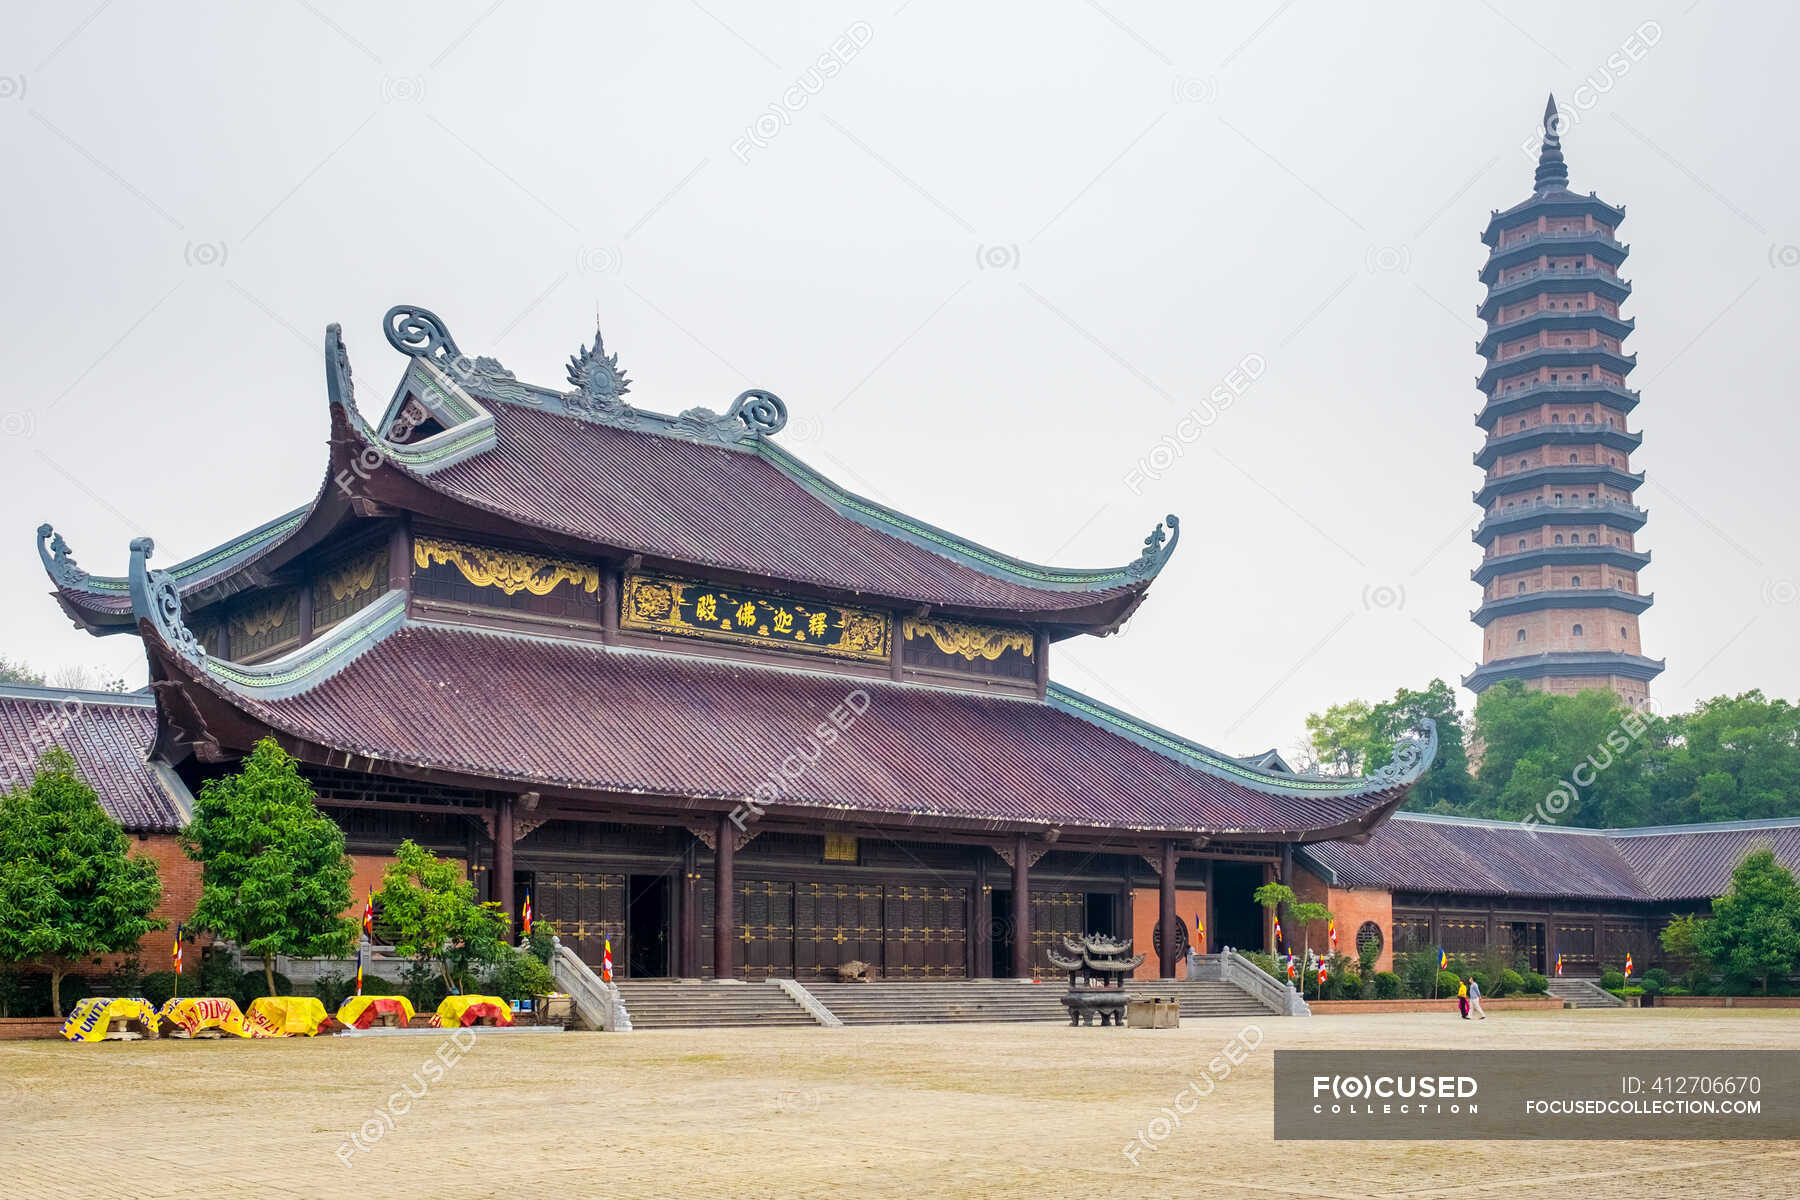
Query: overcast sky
989	255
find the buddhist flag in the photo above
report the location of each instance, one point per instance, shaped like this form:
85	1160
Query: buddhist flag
525	921
1278	933
175	951
1628	966
1443	960
1200	933
1321	972
359	968
1290	966
1331	932
606	962
1559	964
369	914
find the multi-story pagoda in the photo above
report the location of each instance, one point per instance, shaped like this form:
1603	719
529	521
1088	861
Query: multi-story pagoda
702	702
1560	599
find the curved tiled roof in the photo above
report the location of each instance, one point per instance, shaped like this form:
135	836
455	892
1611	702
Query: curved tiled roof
109	736
1420	853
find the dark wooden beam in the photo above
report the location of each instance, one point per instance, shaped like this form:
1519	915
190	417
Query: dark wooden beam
1165	913
724	892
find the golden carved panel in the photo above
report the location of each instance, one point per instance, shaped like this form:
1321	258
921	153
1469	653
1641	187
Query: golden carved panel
970	641
268	616
353	578
665	605
509	571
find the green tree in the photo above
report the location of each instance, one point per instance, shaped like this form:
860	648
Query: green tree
274	878
435	916
1569	760
69	888
1755	928
1356	737
1343	737
15	671
1734	758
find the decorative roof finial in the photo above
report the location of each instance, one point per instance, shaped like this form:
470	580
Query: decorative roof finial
58	559
1413	756
1552	171
1155	553
155	598
599	383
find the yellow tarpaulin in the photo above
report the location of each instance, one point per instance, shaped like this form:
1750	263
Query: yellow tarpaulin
466	1010
90	1019
194	1013
359	1012
285	1016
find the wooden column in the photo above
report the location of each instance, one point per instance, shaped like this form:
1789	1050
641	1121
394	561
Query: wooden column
981	923
609	606
1021	893
304	611
1211	909
687	927
724	895
503	856
400	557
1165	913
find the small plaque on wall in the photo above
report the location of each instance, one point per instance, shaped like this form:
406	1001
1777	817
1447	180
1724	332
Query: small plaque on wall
840	847
686	608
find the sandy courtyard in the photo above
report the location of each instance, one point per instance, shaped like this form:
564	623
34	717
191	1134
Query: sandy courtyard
988	1110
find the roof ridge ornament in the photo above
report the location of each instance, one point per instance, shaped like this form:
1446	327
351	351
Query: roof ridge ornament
156	598
1155	553
761	413
600	385
1413	754
59	560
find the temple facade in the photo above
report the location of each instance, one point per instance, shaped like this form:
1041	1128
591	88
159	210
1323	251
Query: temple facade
1560	534
694	698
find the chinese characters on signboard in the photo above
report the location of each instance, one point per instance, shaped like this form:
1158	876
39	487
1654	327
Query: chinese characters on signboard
665	605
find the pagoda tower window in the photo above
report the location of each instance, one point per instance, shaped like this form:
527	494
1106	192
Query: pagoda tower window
1574	581
1521	636
1559	539
1575	632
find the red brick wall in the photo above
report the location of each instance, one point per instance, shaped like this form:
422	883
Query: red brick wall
1146	910
1351	907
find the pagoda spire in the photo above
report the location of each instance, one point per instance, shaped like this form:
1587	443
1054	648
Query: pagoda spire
1552	171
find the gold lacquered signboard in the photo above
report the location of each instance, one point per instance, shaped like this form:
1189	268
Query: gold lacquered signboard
683	607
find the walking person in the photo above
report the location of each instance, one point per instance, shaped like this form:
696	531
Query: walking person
1475	997
1462	999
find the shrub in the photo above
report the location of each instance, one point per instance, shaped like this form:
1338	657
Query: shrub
1416	969
1447	984
1622	992
1651	986
1535	984
520	974
1675	990
1511	983
423	984
1365	958
1267	962
1387	985
1612	980
158	987
333	989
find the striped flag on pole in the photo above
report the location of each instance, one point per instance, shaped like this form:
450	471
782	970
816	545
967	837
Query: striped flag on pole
1628	966
369	913
1331	931
359	968
175	951
606	962
525	923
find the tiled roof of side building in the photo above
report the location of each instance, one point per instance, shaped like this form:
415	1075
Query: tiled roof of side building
109	736
1418	852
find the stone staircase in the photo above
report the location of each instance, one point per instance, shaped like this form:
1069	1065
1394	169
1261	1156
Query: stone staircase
667	1004
902	1002
1584	993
